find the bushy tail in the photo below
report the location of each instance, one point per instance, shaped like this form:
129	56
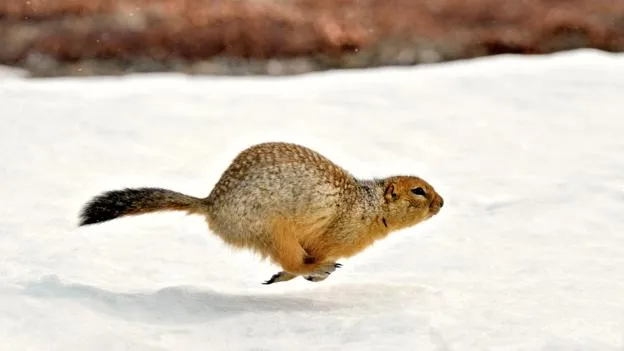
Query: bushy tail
118	203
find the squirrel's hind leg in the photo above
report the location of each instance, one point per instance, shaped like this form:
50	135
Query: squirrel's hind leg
288	253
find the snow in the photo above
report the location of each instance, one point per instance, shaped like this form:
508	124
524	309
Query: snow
527	254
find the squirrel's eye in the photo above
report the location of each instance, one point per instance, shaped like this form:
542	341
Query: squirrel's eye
419	191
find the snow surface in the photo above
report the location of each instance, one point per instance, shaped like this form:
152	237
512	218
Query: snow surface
527	254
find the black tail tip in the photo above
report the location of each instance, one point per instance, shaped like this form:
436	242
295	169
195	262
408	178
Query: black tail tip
85	220
106	206
92	215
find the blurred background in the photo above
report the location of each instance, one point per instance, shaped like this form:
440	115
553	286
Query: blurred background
279	37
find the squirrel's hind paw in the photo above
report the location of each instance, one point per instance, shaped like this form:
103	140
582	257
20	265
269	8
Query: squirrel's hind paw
280	277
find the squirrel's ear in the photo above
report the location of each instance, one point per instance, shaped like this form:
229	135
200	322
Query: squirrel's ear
390	194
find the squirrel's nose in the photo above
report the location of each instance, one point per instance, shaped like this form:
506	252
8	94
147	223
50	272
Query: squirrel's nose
441	202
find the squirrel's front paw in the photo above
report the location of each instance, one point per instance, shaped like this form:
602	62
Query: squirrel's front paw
323	272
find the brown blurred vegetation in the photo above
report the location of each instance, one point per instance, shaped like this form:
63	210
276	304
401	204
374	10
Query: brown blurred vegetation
83	37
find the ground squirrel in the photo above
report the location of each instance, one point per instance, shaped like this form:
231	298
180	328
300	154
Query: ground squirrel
289	204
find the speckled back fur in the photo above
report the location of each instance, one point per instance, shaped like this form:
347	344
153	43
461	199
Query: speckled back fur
277	180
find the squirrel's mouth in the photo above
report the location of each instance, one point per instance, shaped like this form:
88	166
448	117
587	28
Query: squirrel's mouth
436	205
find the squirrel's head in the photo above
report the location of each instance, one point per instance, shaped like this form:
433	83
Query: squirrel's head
408	201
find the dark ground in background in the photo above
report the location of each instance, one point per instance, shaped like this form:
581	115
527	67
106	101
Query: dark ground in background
86	37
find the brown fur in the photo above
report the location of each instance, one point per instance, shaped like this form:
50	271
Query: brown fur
290	204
